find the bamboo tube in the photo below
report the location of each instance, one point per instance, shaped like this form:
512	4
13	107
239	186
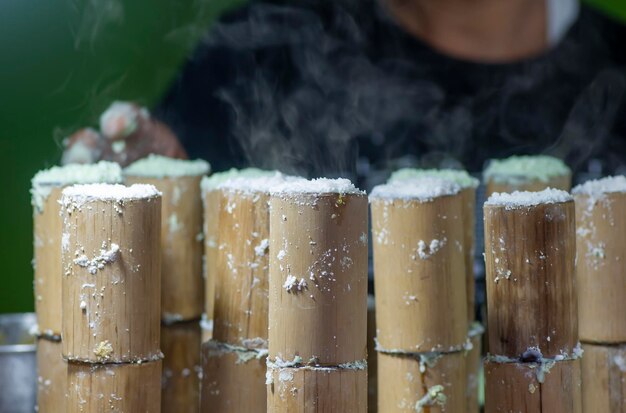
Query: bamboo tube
372	363
46	192
604	378
241	285
601	252
474	364
180	382
124	388
421	302
111	281
318	273
182	289
468	186
426	383
531	388
233	379
211	200
529	257
317	389
527	173
51	377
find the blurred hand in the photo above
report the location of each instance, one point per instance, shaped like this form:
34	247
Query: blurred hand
127	133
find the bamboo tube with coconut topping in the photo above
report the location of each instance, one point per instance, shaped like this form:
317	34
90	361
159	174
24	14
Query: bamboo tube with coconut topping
97	388
529	257
46	192
533	387
233	379
211	199
468	186
527	173
601	253
111	273
182	296
604	378
422	382
51	377
421	302
318	296
180	381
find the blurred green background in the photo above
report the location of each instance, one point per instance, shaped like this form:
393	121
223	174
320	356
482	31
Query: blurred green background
61	63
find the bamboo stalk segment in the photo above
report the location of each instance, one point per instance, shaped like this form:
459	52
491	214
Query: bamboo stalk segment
531	388
321	389
51	377
318	273
427	383
124	388
372	363
180	382
182	289
527	173
529	257
474	364
601	253
468	186
604	378
233	379
46	192
419	266
111	273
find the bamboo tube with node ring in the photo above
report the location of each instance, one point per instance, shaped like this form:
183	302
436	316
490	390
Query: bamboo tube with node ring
211	200
46	192
527	173
182	296
421	302
604	378
111	273
601	252
531	302
318	297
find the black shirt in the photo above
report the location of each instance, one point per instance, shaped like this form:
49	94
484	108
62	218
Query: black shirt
336	88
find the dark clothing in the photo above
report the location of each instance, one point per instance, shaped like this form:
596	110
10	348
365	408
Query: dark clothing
335	87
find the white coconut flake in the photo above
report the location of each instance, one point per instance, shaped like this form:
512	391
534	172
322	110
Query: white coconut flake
522	199
420	189
157	166
255	184
316	186
460	177
519	169
98	263
261	249
425	251
211	183
292	285
81	194
597	188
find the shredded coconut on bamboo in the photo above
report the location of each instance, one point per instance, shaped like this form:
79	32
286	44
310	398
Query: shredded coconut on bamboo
78	195
157	166
296	186
598	188
460	177
211	183
422	190
525	168
524	199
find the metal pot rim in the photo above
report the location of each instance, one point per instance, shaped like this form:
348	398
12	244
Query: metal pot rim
17	348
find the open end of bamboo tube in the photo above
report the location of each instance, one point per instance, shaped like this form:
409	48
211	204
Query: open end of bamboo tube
111	273
318	273
601	252
419	266
46	192
529	257
527	173
182	292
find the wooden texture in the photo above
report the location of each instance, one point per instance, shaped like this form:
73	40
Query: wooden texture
513	387
474	363
241	285
119	388
319	241
403	382
211	201
563	182
421	300
531	294
112	315
47	250
604	378
309	390
230	384
182	285
468	198
372	360
601	276
51	377
180	381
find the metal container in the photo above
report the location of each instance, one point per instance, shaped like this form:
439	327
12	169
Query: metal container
18	371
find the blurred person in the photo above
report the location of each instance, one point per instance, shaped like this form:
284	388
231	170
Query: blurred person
331	87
